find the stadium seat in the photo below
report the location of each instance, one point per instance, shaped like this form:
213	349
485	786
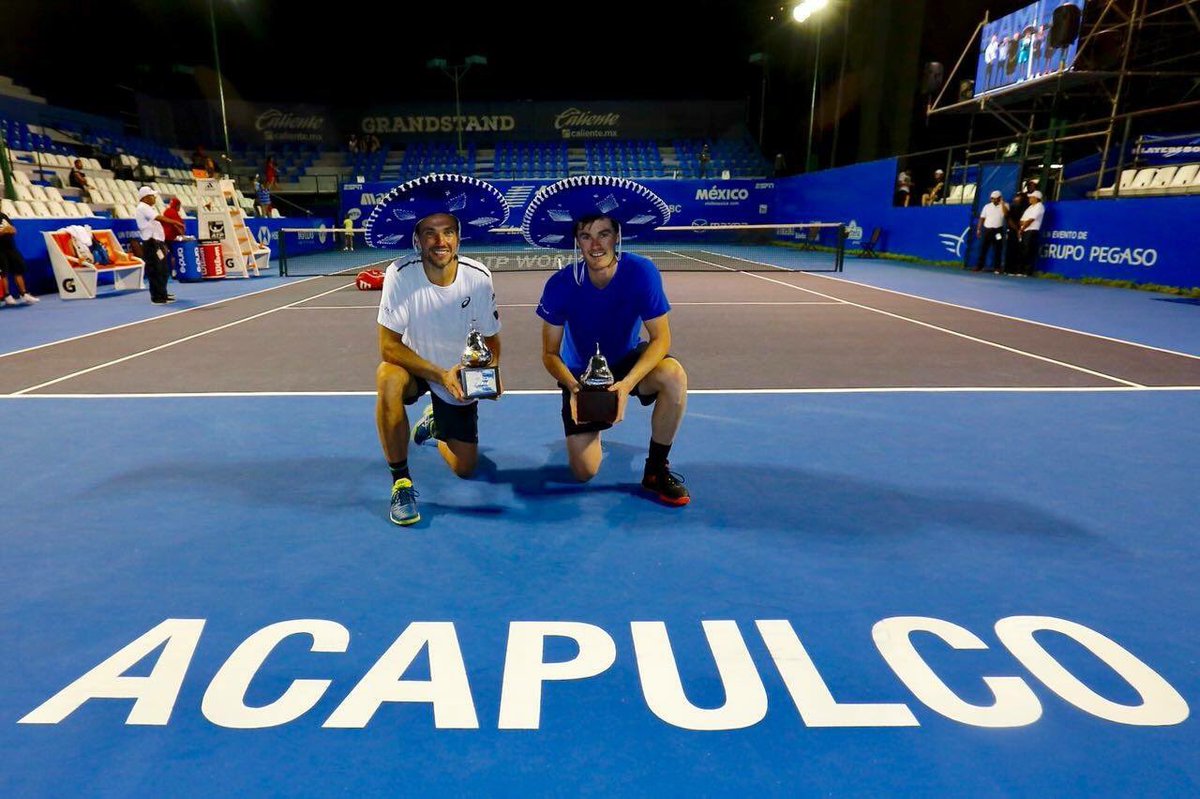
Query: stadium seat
1162	180
1127	176
1141	183
24	210
24	192
21	176
84	209
956	195
969	193
9	209
1186	181
52	194
68	209
40	210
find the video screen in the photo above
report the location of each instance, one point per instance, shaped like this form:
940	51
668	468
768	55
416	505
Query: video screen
1017	48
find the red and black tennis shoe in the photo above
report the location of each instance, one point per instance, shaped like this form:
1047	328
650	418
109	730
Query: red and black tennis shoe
665	485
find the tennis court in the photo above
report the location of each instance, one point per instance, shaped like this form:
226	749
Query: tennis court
906	513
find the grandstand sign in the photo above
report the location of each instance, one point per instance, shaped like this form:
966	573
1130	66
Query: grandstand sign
446	123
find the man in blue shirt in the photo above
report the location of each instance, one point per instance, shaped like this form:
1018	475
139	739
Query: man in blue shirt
606	299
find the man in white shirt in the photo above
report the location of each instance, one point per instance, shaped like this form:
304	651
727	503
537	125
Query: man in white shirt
1031	232
154	249
990	54
430	303
990	232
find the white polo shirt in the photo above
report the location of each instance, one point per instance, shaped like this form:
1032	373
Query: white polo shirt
992	215
1034	212
434	320
147	222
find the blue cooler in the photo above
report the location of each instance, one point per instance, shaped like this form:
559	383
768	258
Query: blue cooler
185	261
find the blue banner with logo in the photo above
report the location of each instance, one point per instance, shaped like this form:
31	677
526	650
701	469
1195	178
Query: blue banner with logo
1168	150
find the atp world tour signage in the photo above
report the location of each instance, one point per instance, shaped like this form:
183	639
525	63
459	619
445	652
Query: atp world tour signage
1013	694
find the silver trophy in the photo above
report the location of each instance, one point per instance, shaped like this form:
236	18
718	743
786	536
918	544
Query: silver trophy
479	380
594	402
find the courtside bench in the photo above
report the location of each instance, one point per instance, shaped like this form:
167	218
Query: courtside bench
78	279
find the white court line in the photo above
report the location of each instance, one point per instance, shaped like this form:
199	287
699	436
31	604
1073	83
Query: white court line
155	318
130	357
1048	325
712	391
940	329
534	305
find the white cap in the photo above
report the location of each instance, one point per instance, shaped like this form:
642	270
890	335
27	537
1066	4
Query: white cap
996	195
146	191
939	172
1037	194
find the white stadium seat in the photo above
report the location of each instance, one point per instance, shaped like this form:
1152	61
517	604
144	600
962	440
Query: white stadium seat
41	210
1183	179
24	210
1162	179
70	209
38	194
22	177
23	192
8	208
84	209
52	194
122	212
1127	176
956	193
1141	183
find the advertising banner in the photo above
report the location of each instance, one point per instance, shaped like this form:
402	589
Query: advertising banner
1168	150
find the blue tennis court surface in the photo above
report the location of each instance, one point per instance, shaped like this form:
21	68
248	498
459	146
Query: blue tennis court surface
820	514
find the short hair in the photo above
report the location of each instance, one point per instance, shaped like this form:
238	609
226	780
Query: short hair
457	224
588	220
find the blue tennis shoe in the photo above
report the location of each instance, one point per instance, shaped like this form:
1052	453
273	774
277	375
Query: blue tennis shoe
404	503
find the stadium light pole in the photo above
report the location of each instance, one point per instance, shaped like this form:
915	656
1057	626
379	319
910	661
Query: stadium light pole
762	60
455	72
212	21
801	14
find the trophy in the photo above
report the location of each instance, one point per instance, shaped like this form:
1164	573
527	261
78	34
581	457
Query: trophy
478	379
594	402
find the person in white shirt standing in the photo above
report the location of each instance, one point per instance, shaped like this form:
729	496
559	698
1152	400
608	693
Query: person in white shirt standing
154	249
990	232
430	304
1031	232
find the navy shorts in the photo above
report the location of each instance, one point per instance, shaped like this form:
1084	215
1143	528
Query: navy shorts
454	422
11	262
620	371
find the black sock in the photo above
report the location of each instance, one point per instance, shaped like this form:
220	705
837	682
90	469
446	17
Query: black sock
399	470
658	454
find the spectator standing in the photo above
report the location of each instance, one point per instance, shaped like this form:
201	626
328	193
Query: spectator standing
175	214
270	173
780	165
12	266
1016	209
262	197
352	145
199	158
1031	232
990	232
990	56
154	249
903	190
373	143
348	238
705	157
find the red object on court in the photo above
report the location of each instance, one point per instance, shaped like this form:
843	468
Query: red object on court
370	280
212	260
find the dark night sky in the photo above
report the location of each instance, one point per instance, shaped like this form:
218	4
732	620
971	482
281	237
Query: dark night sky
277	51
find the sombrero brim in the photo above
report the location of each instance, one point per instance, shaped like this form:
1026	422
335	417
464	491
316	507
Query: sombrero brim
550	217
477	204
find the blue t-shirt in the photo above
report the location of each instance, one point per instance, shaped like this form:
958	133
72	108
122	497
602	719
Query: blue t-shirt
612	315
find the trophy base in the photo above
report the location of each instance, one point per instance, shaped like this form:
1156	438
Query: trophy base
596	406
480	382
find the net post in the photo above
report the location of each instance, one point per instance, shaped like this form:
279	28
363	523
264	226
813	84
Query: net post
840	259
282	253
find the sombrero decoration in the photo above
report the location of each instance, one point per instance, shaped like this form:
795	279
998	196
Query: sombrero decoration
477	204
549	219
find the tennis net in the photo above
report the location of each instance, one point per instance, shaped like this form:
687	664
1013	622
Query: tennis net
798	247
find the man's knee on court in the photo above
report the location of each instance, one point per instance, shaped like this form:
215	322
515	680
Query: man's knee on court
582	467
392	380
671	380
465	463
